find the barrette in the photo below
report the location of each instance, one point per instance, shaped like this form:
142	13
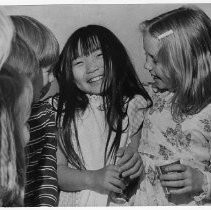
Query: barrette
165	34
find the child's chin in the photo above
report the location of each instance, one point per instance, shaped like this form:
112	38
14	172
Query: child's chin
96	91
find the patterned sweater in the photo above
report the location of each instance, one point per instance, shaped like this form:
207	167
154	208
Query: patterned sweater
41	178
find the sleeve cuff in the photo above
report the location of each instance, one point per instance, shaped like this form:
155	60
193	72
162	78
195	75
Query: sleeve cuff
207	184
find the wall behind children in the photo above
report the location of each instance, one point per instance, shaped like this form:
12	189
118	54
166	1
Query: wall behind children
122	19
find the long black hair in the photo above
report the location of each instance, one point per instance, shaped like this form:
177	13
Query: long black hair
120	85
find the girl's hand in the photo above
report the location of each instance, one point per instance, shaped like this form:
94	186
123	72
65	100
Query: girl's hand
130	162
107	180
185	178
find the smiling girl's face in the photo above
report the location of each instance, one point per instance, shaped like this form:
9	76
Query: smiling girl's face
88	72
151	47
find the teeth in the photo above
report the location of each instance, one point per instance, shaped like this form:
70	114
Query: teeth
95	79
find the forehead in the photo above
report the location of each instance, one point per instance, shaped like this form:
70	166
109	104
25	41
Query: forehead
150	44
87	45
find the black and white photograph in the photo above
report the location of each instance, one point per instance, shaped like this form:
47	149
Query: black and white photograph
105	104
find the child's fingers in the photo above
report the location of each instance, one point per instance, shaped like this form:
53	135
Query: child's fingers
138	173
132	170
125	158
173	176
175	167
120	152
181	191
114	173
113	188
114	168
130	163
179	183
118	183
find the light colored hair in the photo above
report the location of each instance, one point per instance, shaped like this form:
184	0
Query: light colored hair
8	166
24	102
38	37
6	34
15	101
22	58
184	56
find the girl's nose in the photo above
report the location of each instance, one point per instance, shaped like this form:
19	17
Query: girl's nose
148	66
92	66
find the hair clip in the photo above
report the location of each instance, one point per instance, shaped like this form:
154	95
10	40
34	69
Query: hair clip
167	33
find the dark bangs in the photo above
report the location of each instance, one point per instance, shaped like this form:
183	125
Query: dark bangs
84	45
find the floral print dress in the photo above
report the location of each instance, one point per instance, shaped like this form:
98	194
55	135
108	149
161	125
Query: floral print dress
163	139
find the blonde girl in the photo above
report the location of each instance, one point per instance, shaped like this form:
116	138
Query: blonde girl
178	126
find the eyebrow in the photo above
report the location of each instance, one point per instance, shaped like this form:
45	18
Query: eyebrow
150	55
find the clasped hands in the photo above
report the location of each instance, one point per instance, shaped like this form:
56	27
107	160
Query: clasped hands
129	162
182	179
111	178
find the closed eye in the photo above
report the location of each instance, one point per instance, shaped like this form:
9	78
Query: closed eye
154	60
99	54
76	63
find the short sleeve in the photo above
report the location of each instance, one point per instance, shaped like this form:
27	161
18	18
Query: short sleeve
137	108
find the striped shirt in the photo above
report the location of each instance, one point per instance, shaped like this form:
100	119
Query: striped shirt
41	187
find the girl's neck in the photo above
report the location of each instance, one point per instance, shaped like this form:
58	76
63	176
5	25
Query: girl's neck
93	97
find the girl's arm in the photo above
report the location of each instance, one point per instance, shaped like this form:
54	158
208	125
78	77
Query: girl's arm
130	161
71	179
103	180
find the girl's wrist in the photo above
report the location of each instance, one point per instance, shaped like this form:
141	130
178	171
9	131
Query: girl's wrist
89	179
205	194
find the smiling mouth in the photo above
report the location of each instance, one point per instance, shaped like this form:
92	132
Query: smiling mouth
95	79
155	76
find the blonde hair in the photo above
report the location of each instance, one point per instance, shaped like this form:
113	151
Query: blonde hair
8	166
22	58
6	34
14	100
39	37
184	56
23	105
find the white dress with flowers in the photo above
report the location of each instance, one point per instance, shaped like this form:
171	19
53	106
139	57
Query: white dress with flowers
92	135
164	139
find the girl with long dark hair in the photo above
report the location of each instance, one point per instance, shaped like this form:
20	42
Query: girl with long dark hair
100	109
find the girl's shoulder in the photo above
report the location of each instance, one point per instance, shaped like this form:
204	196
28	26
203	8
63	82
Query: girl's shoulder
136	110
138	105
139	102
205	113
201	118
40	106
